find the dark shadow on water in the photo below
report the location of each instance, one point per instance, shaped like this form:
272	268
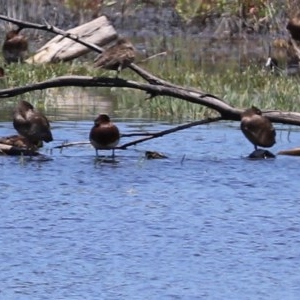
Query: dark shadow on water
261	154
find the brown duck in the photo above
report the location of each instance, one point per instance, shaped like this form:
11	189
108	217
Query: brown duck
117	57
16	141
31	124
293	26
257	128
15	46
104	134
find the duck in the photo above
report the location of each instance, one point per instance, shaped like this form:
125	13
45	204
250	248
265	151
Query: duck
292	66
104	134
17	145
31	124
257	128
117	57
15	46
293	26
273	66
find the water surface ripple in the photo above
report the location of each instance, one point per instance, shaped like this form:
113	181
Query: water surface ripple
203	224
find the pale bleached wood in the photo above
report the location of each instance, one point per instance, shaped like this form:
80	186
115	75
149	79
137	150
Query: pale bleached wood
99	32
292	152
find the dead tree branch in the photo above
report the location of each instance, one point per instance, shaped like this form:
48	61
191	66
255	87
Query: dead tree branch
226	111
71	144
168	131
149	136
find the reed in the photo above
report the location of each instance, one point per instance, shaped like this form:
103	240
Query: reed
240	85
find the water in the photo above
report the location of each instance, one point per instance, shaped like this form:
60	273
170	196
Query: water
205	223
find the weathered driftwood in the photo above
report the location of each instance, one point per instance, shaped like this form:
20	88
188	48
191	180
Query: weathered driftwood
99	32
290	152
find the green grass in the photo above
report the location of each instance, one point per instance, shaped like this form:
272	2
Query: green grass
240	86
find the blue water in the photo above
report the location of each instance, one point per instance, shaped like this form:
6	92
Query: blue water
205	223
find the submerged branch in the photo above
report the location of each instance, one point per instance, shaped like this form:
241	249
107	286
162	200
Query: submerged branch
136	134
149	136
71	144
168	131
66	145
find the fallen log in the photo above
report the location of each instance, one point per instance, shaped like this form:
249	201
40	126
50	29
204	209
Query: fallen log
99	32
291	152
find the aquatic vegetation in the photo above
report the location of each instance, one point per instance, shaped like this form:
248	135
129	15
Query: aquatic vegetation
238	82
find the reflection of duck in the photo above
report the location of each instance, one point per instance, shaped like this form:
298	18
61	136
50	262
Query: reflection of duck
31	124
257	128
15	46
117	57
104	134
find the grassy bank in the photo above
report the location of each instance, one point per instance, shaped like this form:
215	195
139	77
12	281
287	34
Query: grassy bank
240	85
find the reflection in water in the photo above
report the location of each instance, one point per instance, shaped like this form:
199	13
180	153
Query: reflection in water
65	104
78	103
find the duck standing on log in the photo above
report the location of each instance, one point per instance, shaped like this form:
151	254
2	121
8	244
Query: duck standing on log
104	134
15	46
257	128
31	124
117	57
